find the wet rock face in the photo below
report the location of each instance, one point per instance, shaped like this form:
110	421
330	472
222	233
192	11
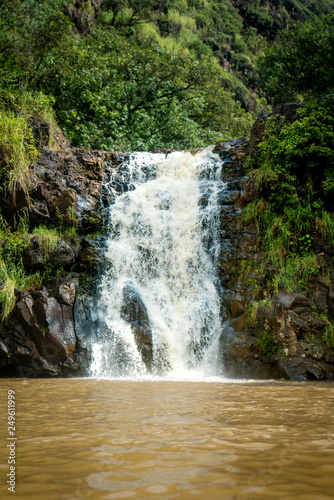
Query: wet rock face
69	192
63	256
13	201
40	337
46	333
289	321
135	313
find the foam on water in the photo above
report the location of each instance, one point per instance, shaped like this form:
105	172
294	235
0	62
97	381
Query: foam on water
163	243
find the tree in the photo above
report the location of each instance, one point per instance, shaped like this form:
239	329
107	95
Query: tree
301	62
120	92
29	32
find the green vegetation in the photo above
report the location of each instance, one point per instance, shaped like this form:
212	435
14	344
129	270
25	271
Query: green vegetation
253	310
328	335
121	87
133	94
16	150
267	345
12	272
294	171
301	62
140	74
48	238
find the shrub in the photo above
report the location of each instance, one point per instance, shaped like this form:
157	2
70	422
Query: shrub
267	345
294	172
16	150
12	273
47	237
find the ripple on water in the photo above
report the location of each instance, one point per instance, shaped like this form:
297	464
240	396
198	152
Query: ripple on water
101	439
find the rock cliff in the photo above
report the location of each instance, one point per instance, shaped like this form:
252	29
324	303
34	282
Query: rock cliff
46	335
265	336
42	335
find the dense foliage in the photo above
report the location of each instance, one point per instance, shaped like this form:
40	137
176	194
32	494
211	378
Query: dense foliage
133	94
295	173
113	88
301	62
125	74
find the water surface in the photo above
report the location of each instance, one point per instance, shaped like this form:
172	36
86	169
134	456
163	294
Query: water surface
116	439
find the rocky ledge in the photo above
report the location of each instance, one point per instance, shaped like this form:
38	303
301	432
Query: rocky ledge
45	334
264	336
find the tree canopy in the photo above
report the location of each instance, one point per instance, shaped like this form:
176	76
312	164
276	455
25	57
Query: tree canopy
125	74
301	62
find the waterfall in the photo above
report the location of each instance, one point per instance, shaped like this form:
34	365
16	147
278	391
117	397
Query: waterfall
159	296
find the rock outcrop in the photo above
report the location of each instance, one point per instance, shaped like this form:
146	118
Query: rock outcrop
40	339
264	336
44	334
134	312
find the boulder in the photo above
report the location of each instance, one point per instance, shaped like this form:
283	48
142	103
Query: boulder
85	323
65	253
66	200
65	294
320	296
134	312
300	368
92	254
25	314
242	358
13	200
35	256
39	212
293	302
59	338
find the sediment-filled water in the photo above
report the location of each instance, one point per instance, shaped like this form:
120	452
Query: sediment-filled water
109	440
161	255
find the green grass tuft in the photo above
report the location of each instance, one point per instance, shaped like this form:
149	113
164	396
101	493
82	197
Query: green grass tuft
16	150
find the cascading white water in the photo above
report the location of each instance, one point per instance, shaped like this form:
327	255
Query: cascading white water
162	254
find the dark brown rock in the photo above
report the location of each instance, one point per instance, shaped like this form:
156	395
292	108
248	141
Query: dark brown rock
25	313
65	294
294	302
35	256
57	320
92	254
66	200
299	368
242	358
237	307
331	303
43	131
39	212
320	296
13	200
228	197
134	312
256	134
64	254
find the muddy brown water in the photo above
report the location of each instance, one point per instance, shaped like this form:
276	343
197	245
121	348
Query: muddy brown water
117	439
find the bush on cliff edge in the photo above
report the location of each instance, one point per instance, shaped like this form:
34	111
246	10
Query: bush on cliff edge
294	171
